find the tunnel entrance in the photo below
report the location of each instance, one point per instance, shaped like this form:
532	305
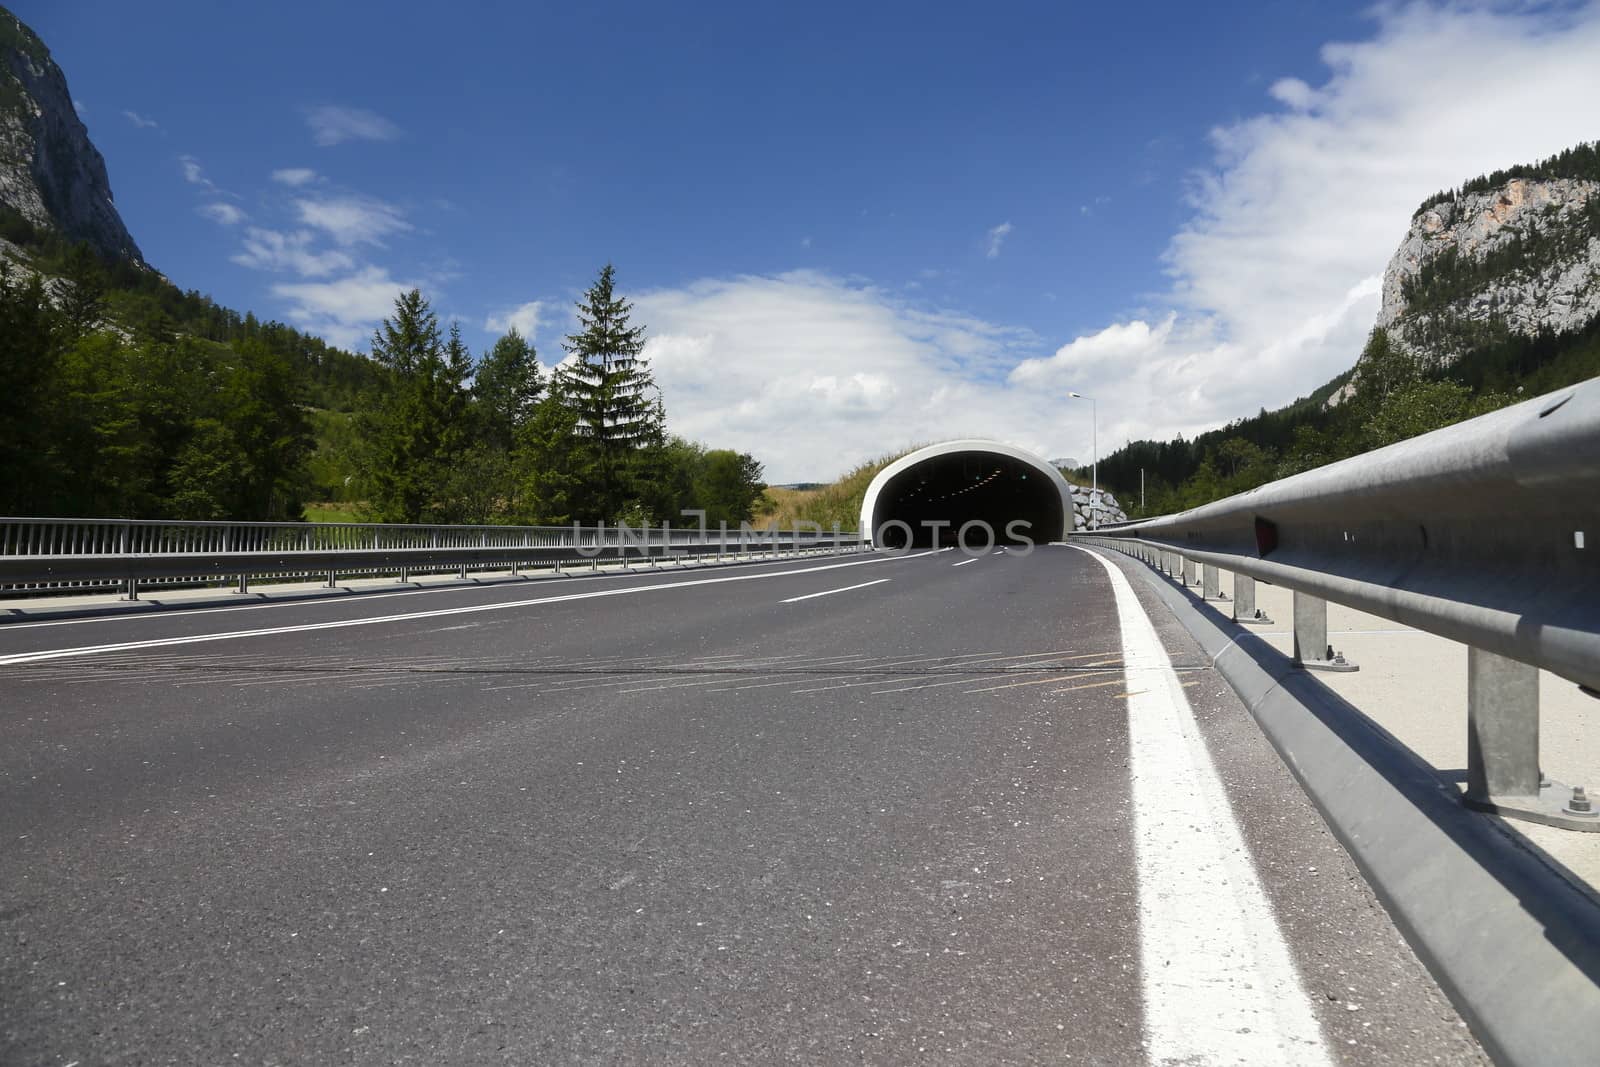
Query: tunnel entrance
924	500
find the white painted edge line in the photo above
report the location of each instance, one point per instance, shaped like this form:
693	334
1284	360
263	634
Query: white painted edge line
467	609
346	595
1219	983
964	562
830	592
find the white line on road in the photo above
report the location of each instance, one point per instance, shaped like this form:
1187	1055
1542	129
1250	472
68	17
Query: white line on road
964	562
1220	986
830	592
504	605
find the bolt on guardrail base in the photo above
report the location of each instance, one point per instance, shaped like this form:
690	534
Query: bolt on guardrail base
1311	634
1503	774
1566	807
1244	601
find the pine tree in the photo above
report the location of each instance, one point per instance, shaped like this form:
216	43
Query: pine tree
612	394
507	386
28	358
418	430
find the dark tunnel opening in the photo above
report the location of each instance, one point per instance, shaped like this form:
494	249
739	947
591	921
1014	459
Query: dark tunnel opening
938	496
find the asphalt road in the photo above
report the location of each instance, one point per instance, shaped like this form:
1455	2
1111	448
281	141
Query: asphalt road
683	818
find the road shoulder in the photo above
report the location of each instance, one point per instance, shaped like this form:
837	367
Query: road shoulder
1376	1002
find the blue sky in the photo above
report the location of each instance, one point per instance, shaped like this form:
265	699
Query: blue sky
847	227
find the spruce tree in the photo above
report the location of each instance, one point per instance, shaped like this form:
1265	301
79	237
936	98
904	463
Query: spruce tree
418	430
612	394
507	386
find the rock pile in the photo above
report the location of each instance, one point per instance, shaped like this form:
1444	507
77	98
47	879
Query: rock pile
1083	504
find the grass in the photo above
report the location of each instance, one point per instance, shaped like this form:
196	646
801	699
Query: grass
337	511
839	502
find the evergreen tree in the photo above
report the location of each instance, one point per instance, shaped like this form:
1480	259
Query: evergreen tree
507	386
82	299
28	356
556	465
612	395
417	431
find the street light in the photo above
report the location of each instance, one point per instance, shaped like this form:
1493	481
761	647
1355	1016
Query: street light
1094	493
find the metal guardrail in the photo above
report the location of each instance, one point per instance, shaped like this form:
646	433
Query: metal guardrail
1486	532
57	555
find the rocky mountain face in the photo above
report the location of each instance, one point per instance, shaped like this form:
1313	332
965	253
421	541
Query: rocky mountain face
1515	259
50	173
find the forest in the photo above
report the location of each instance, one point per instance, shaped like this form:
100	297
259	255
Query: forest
129	398
1392	397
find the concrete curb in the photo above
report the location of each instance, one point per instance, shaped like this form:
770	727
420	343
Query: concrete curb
1511	941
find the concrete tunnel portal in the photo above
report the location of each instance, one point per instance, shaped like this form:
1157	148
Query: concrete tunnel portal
926	499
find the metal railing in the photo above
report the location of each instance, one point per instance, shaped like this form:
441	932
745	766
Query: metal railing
39	555
1486	532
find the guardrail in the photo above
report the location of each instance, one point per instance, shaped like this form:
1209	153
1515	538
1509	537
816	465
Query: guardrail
57	555
1486	532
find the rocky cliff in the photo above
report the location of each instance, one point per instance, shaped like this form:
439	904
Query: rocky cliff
50	173
1518	258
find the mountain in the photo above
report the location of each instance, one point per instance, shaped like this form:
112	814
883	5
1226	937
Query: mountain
50	174
1493	292
1510	255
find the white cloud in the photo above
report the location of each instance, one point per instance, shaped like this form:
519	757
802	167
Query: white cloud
346	310
294	176
77	105
226	214
192	172
331	125
812	373
274	250
353	220
997	237
1275	275
141	121
524	319
1127	343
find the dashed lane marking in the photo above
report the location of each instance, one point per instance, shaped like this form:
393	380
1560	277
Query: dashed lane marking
830	592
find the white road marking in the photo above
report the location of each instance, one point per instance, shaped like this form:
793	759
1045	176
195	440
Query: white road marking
468	609
1220	986
1019	685
344	595
964	562
850	685
830	592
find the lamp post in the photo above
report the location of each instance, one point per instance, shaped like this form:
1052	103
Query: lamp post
1094	493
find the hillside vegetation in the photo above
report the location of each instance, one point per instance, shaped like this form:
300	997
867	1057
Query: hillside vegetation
126	397
1472	325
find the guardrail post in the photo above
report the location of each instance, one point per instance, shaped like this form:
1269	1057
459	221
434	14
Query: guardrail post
1502	727
1244	600
131	590
1311	648
1503	774
333	580
1210	583
1188	571
244	583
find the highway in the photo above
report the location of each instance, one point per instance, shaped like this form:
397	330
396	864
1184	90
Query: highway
875	808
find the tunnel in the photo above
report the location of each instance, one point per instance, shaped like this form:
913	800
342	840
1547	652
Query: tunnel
964	491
